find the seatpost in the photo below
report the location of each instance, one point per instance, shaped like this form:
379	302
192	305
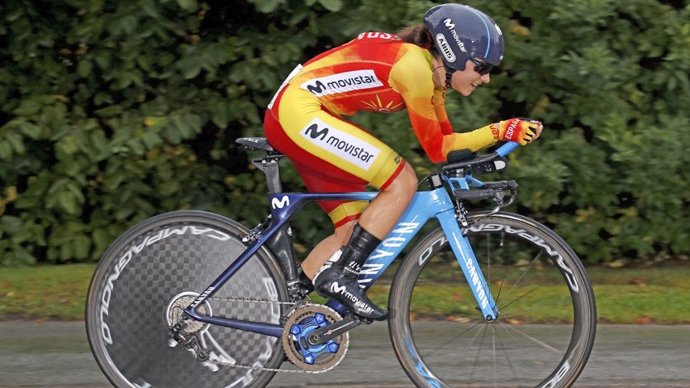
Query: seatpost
269	166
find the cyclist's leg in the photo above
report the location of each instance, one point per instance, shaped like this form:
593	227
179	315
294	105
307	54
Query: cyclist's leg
337	277
385	210
333	155
377	218
326	248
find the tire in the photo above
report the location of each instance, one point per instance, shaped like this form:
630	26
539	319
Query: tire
156	269
527	267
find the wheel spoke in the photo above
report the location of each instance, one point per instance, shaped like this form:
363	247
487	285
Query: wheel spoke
507	356
518	298
447	344
531	338
479	350
525	271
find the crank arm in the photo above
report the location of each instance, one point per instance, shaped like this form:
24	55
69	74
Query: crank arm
326	333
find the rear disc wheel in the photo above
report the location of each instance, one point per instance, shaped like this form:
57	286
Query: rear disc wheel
151	274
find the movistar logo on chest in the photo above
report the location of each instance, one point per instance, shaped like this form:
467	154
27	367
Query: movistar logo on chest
341	144
342	82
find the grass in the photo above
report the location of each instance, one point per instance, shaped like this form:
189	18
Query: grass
623	295
627	295
44	292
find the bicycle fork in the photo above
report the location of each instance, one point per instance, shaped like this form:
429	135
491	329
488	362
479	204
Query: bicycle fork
470	267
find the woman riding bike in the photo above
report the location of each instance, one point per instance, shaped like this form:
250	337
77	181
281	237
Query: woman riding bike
455	48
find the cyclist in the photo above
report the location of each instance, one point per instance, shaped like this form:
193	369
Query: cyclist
456	48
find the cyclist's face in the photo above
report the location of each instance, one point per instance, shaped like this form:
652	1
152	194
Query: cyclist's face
466	81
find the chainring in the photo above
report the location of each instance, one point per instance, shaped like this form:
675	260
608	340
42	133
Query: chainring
313	358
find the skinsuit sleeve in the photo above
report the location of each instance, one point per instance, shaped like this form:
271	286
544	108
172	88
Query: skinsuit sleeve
412	77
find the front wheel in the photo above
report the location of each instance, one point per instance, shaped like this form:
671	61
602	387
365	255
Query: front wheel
151	274
547	323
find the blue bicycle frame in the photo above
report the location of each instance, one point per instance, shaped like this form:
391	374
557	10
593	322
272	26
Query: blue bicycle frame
425	205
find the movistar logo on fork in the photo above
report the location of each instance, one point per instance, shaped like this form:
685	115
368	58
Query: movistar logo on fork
340	143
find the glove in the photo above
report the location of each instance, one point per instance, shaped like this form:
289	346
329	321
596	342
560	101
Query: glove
520	130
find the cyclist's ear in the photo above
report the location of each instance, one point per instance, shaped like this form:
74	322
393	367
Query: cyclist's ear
460	155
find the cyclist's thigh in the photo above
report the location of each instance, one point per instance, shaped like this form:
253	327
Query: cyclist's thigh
320	141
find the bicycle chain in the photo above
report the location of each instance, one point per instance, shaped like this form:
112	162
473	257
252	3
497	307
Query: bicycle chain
258	368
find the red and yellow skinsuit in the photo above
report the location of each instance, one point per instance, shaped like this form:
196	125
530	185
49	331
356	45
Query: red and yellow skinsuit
373	72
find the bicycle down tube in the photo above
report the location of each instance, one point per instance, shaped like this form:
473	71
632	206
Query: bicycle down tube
425	205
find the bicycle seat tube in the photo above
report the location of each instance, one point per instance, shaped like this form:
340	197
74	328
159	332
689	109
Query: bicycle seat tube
281	244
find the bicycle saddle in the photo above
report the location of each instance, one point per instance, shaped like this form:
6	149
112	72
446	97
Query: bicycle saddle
255	143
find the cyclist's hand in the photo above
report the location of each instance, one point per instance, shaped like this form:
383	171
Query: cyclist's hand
520	130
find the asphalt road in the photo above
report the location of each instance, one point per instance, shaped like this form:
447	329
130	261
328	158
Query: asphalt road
56	355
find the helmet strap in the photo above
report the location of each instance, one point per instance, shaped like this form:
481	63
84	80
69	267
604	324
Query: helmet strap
449	77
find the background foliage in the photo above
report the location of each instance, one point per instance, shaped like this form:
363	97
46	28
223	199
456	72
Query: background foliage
112	111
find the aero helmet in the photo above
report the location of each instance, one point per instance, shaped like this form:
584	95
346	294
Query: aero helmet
461	32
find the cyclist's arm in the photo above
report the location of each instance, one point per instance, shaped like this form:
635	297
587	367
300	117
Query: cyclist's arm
411	76
474	140
439	101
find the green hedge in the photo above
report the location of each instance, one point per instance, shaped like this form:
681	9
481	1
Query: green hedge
114	111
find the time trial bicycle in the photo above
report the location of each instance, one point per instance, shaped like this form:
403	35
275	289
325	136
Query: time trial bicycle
195	299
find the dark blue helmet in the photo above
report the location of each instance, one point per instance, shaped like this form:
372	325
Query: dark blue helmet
461	32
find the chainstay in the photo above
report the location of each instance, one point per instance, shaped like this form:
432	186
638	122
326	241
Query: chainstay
264	301
300	303
262	369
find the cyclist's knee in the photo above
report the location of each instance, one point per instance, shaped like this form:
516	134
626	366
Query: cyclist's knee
405	183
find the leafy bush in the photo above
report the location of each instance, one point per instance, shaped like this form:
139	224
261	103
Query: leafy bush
114	111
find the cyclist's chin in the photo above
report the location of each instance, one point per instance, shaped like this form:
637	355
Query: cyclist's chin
465	90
